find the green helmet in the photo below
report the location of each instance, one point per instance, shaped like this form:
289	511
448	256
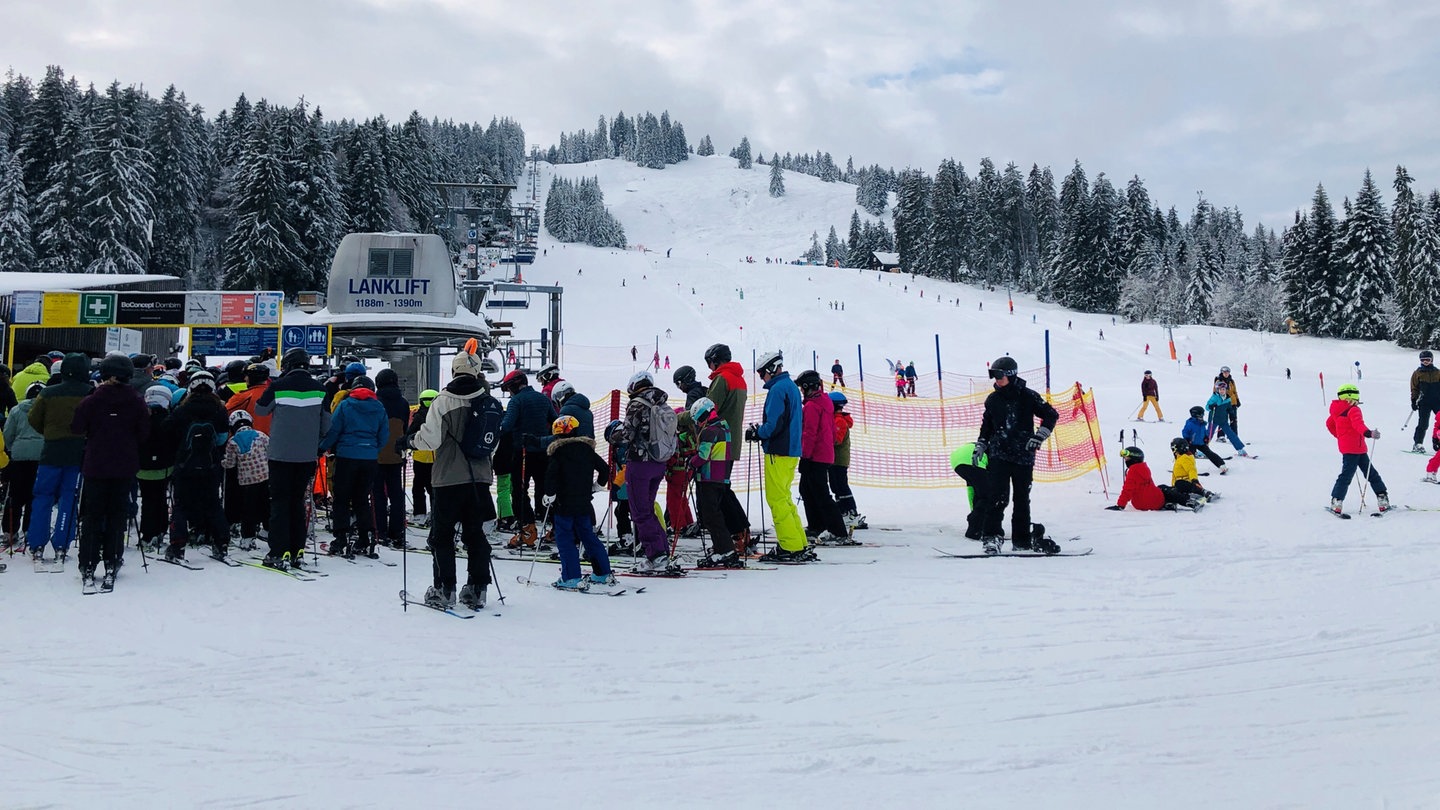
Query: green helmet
428	396
1349	392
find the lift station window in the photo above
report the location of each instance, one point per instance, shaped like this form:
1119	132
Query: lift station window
391	262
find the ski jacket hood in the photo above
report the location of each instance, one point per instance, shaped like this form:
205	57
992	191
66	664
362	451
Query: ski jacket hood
728	392
1347	424
443	429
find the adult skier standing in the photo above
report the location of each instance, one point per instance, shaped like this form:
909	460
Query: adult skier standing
1425	398
1008	440
837	374
780	436
294	400
1150	392
1347	424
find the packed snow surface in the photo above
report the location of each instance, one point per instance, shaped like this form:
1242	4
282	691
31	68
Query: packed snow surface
1257	654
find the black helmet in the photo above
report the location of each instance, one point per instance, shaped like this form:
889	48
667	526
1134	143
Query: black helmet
1180	446
387	377
547	373
1426	355
116	366
1004	367
613	429
235	371
684	377
1197	411
1132	455
294	358
809	380
717	354
256	373
361	381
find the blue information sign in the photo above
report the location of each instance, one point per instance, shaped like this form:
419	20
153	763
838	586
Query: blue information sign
315	340
231	342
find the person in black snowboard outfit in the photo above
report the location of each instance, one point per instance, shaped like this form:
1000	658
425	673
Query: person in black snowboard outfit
1009	439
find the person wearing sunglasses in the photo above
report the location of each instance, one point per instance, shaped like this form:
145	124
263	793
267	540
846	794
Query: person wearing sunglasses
1425	398
1008	441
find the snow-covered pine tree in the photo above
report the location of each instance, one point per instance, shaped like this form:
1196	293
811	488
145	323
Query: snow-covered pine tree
40	150
1203	269
119	201
15	99
1017	230
178	175
706	147
945	226
777	180
1069	270
742	153
815	254
986	253
1425	273
1294	274
1041	201
853	243
316	209
366	184
1363	254
1322	271
60	244
912	204
263	250
835	254
1414	310
17	253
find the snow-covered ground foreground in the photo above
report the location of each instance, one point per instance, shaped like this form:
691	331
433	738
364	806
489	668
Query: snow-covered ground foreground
1257	654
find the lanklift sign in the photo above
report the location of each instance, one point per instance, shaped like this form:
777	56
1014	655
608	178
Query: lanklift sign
379	273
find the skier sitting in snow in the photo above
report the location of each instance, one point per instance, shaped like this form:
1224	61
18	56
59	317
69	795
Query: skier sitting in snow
1347	424
1183	476
1196	433
971	468
1140	490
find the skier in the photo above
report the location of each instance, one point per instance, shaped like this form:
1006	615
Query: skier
1234	395
1196	433
1150	392
1221	415
712	478
248	453
257	379
780	436
1347	424
359	428
568	478
421	461
728	392
24	444
1147	348
1189	359
388	490
37	372
634	354
684	379
202	426
296	425
910	378
1425	397
548	376
58	474
656	361
900	384
823	522
1433	464
115	421
667	361
840	469
837	374
677	477
972	469
1008	438
528	414
1183	476
650	439
620	491
461	486
1140	491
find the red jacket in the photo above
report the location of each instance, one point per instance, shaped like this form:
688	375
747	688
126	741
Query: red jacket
1347	425
817	435
1140	489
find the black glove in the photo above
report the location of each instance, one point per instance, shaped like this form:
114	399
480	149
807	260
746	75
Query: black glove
1041	434
1415	406
1115	508
752	433
402	444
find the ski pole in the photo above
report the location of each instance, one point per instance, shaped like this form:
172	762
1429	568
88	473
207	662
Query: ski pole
761	459
544	515
144	562
495	580
1407	421
1365	478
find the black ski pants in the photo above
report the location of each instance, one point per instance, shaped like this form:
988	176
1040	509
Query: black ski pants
1009	482
354	480
254	500
469	505
389	499
21	475
1426	414
420	485
1204	450
197	501
709	495
533	466
154	507
104	508
821	513
840	486
289	494
981	497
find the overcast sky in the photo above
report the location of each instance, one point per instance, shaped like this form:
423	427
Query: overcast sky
1250	101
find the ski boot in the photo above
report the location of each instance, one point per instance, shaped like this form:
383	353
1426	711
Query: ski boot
473	596
87	581
856	522
218	551
576	584
1418	448
1195	502
602	581
659	565
1337	506
625	545
525	538
1044	545
1430	478
714	560
281	563
991	544
340	547
175	552
296	560
438	598
1382	502
107	582
782	556
247	544
366	546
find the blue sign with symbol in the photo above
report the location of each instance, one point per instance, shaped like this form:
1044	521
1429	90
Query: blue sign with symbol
230	342
470	234
315	340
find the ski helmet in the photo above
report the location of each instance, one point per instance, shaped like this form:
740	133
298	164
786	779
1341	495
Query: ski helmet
513	381
116	366
1348	392
386	378
200	379
1224	369
1132	455
612	430
701	408
256	373
428	396
809	380
564	426
1427	355
839	399
293	358
1180	446
561	392
684	377
241	417
354	370
717	353
769	362
547	373
362	382
1004	367
235	371
1197	412
467	364
639	381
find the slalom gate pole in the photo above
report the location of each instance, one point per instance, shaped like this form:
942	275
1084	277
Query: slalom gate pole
1323	400
860	357
940	381
1047	359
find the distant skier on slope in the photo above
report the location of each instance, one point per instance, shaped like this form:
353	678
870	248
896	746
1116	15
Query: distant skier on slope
1221	408
1150	393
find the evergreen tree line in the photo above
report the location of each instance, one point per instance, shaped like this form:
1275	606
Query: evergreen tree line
646	141
256	198
873	184
575	212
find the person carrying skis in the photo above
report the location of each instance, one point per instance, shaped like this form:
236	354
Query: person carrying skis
712	478
248	453
728	392
568	479
837	374
298	421
650	438
1232	417
1150	393
1221	409
780	435
823	522
461	486
1008	438
1347	424
202	426
840	470
971	468
115	421
1425	398
1197	434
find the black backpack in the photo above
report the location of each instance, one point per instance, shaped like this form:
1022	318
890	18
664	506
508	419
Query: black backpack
482	427
197	448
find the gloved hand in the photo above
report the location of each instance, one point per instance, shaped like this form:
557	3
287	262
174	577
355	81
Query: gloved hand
597	487
752	433
1415	406
402	443
1115	507
980	448
547	501
1041	434
1372	433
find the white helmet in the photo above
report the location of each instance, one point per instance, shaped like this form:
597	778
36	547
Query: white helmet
561	392
642	379
702	406
769	362
547	373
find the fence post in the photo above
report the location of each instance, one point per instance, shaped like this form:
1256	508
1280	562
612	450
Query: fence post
860	359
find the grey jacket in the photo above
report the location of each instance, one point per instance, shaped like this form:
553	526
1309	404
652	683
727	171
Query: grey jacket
22	441
441	433
298	420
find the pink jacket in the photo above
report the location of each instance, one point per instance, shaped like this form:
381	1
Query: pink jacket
1347	425
817	437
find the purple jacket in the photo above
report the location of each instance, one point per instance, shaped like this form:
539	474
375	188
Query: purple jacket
114	421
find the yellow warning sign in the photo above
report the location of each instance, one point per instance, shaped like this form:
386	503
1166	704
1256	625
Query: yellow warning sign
60	309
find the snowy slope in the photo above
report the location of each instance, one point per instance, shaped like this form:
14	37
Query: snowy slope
1259	654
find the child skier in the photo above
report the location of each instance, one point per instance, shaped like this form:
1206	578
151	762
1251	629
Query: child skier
248	454
824	524
1221	407
568	476
1347	424
840	470
1183	476
1196	433
619	493
900	384
1433	464
1140	490
712	478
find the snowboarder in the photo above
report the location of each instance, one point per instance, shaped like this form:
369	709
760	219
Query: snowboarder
1347	424
1425	397
1197	435
568	480
780	435
1150	392
1008	438
971	468
837	374
1220	407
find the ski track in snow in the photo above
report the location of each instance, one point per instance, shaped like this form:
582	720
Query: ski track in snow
1258	654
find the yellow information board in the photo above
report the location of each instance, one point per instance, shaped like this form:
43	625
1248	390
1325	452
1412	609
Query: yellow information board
60	309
